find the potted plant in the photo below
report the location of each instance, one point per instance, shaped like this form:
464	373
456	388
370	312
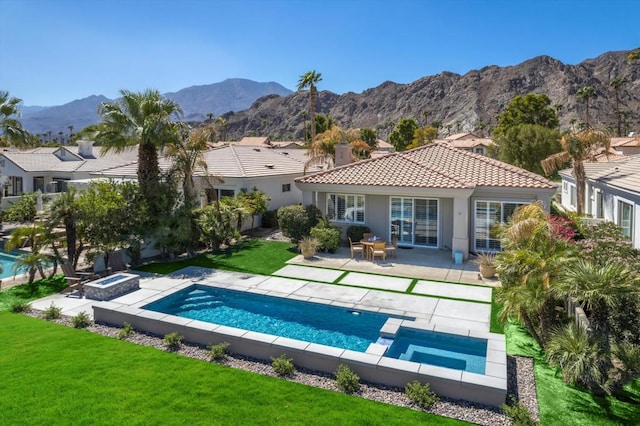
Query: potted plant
486	261
308	246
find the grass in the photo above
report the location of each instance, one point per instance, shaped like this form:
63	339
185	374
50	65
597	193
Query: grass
560	403
27	293
53	374
495	325
250	256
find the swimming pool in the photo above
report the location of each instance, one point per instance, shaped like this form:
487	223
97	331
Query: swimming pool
373	365
441	349
310	322
8	261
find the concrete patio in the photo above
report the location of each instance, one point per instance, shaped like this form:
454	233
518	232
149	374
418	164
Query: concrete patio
429	264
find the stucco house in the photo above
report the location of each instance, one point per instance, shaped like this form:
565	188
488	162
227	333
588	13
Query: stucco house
612	193
235	167
469	142
435	196
50	169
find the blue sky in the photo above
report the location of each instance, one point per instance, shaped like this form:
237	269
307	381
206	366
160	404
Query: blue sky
56	51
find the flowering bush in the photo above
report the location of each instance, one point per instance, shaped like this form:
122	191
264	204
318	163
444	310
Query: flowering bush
563	228
604	244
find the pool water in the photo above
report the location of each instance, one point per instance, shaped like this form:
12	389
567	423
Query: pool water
8	261
310	322
441	349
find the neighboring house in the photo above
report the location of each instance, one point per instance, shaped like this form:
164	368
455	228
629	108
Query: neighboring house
260	142
627	146
612	193
469	142
49	169
434	196
235	167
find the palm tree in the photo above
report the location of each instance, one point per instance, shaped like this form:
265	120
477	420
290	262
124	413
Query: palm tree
617	84
577	147
304	115
66	210
35	237
322	152
222	123
586	93
187	154
310	80
10	126
143	119
70	127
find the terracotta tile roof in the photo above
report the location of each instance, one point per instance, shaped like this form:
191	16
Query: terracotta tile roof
438	165
628	141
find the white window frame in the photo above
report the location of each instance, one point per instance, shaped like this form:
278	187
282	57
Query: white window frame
599	204
492	244
346	208
620	204
286	187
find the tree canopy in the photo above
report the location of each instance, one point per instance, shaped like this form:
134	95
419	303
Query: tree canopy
402	135
526	145
528	109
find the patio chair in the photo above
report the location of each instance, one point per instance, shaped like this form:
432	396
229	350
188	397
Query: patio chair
74	281
356	248
116	262
379	250
393	247
367	235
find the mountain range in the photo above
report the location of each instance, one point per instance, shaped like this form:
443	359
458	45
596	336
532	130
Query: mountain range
234	94
459	102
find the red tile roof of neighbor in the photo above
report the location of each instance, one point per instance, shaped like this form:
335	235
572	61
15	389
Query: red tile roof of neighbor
437	165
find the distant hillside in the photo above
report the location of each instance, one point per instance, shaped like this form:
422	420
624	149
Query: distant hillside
196	101
460	102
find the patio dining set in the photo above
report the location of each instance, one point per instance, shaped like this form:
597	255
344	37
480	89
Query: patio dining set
371	247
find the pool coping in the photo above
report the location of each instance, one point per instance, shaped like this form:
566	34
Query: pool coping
371	366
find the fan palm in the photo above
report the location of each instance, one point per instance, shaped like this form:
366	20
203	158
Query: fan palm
9	125
577	147
310	80
579	356
322	152
586	93
143	119
617	83
187	154
66	210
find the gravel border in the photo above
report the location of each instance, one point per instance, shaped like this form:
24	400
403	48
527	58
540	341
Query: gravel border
521	379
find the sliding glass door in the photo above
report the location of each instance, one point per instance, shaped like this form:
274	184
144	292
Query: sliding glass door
415	221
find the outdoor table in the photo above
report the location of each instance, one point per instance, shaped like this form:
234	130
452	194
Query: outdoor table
368	245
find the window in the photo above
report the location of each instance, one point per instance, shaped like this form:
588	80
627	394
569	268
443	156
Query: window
625	218
487	215
345	208
286	187
415	221
599	205
573	199
38	184
565	186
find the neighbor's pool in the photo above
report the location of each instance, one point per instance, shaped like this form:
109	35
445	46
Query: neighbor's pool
310	322
8	261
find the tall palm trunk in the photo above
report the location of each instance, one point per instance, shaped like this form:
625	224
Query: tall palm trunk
148	170
312	111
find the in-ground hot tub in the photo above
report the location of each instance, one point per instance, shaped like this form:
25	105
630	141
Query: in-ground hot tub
112	286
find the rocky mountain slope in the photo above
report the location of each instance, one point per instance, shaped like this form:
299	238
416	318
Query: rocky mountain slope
460	102
234	94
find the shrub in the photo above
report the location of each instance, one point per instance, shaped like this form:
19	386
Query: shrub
308	246
81	320
283	366
327	235
356	232
52	312
23	210
126	331
296	221
518	413
421	395
270	219
18	307
347	380
218	352
172	341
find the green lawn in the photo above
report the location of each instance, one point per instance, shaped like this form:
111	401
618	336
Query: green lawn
561	404
53	374
24	293
250	256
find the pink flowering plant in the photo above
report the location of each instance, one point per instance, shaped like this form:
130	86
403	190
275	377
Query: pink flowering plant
563	228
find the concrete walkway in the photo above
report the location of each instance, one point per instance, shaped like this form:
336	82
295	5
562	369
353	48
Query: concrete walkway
354	290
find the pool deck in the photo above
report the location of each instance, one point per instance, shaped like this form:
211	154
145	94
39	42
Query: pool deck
422	304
